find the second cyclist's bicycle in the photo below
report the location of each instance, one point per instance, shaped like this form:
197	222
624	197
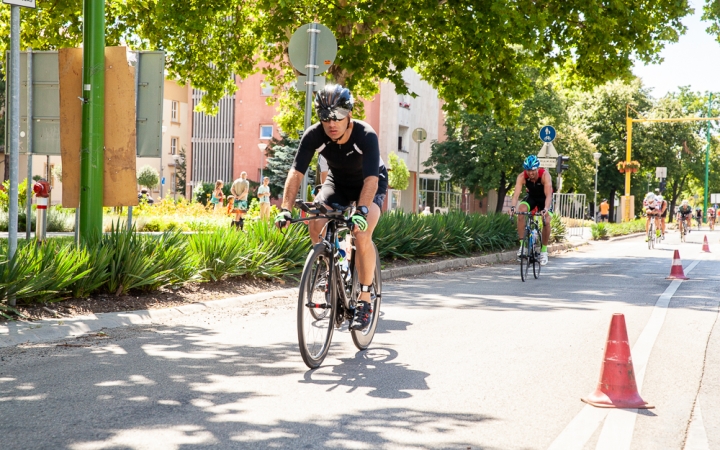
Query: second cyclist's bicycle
531	246
329	288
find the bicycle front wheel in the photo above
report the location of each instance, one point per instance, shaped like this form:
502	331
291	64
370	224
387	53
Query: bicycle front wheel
316	307
525	258
536	260
363	338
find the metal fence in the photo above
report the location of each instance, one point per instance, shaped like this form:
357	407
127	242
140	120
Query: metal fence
212	141
571	208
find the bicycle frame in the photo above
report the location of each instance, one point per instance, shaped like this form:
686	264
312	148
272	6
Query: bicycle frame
531	224
338	221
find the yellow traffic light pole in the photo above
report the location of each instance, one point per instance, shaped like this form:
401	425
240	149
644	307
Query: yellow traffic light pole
628	200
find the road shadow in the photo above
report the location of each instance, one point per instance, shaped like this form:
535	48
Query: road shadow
372	368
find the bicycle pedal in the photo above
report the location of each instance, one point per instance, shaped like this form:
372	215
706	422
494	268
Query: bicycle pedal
318	305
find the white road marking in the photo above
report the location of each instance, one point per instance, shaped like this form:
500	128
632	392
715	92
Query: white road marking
697	437
620	424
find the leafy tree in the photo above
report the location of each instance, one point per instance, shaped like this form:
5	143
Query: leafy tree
181	175
474	56
600	114
482	154
149	177
398	173
281	154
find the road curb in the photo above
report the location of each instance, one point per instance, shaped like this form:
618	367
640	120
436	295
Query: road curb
46	330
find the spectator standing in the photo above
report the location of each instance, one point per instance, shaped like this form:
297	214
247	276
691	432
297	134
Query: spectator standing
217	196
604	211
240	189
263	193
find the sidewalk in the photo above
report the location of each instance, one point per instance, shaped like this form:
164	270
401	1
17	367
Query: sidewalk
46	330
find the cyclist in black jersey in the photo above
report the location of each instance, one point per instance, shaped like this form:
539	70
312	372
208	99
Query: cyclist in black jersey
356	173
536	183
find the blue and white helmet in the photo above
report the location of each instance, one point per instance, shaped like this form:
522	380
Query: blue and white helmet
531	163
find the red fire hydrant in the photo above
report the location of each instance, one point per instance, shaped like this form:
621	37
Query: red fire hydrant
42	193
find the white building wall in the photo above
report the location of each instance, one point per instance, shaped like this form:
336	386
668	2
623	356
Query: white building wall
397	119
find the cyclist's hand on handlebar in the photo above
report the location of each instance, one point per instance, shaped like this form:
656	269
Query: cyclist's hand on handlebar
512	211
359	221
282	220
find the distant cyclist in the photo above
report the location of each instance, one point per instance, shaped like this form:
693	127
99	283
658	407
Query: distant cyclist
663	212
698	216
537	185
652	211
685	213
711	217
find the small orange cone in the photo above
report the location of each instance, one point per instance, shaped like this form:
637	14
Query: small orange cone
617	387
706	246
676	270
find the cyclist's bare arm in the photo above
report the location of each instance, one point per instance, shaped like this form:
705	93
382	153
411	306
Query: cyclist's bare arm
292	186
367	194
519	183
547	187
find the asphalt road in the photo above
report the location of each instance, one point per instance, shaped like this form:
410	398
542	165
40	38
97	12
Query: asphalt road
472	359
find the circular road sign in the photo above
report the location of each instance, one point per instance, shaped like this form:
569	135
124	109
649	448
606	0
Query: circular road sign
547	133
299	48
419	135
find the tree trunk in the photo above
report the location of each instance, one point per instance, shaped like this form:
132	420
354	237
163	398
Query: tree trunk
502	190
611	217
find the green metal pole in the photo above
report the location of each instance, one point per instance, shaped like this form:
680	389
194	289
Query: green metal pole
93	118
707	158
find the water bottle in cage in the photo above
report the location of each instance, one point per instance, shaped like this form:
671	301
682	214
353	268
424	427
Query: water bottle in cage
534	238
341	258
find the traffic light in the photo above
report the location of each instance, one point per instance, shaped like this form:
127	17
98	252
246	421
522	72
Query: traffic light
562	164
663	185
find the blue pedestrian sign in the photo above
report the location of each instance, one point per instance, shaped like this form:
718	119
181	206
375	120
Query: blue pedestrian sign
547	133
162	181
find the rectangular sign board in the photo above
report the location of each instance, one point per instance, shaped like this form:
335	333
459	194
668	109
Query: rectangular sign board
548	163
661	172
23	3
714	198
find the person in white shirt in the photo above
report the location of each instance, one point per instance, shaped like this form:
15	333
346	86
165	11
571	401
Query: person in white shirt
263	194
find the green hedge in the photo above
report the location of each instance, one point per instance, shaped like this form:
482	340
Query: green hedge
604	230
121	261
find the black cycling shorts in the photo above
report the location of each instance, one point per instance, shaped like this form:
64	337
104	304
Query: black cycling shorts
332	192
534	203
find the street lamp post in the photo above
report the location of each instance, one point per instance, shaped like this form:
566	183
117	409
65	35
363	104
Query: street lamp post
596	156
262	148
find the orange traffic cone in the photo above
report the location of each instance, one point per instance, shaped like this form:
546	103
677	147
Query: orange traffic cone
676	270
706	246
617	387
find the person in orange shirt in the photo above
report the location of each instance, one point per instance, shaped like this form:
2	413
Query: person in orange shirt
604	211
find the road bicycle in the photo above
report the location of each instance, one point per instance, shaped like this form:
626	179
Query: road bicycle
682	227
651	234
531	246
698	220
329	287
711	222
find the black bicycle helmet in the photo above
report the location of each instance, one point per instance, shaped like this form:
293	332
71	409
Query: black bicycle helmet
333	102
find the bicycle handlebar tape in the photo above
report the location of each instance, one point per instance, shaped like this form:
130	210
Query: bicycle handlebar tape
706	246
617	387
676	270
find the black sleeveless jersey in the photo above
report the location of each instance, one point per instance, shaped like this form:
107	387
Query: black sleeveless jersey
349	163
535	190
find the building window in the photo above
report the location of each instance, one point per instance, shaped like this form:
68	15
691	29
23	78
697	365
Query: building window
266	131
174	145
403	139
266	89
440	196
174	111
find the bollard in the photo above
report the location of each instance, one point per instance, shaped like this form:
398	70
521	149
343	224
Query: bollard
42	193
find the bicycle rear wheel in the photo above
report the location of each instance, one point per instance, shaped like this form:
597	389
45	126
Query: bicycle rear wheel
363	338
315	329
525	258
